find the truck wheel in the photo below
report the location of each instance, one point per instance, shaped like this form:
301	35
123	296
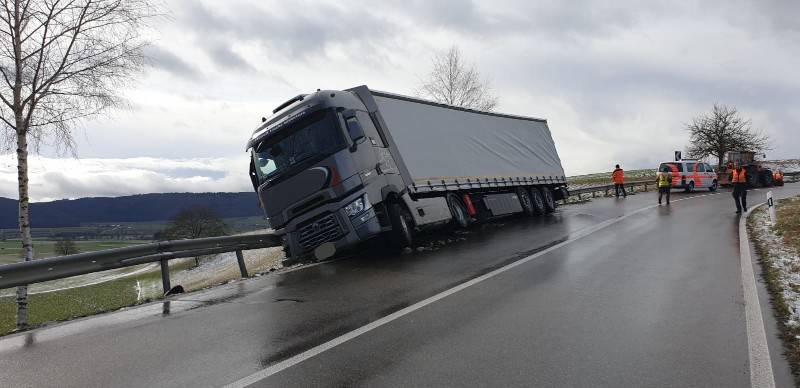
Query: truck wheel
713	186
538	202
549	201
690	187
767	179
401	235
458	211
752	176
526	201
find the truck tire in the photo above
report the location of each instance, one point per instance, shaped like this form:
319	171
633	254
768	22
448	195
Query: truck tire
538	202
401	235
549	201
458	211
752	176
767	180
525	201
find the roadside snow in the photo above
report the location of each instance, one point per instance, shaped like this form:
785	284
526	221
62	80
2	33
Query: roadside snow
223	267
785	165
784	259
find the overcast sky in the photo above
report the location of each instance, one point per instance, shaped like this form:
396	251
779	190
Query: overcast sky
615	80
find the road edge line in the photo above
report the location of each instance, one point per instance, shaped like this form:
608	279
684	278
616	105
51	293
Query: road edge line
761	374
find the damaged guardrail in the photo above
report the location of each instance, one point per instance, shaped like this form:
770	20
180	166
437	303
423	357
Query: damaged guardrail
41	270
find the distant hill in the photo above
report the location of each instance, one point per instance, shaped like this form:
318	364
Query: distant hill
134	208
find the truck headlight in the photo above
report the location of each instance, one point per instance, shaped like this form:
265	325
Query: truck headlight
357	207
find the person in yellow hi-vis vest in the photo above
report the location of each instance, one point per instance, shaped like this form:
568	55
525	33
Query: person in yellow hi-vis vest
664	183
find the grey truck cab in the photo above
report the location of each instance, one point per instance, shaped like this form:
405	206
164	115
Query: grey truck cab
322	169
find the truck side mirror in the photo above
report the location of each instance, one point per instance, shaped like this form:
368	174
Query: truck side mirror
355	131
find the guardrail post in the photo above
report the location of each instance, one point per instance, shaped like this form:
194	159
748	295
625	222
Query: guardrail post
240	259
165	275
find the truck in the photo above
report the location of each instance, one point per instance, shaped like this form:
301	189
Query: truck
757	175
335	168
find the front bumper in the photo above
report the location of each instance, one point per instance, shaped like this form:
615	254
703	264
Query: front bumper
336	228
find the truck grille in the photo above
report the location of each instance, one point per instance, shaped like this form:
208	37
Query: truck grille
319	232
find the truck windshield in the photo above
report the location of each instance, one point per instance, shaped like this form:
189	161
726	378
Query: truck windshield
301	144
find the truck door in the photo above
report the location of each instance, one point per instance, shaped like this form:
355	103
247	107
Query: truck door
383	162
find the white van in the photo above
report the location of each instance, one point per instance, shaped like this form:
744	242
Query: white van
689	174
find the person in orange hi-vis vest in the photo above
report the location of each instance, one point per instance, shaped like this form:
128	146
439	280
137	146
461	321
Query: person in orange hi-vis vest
619	179
738	179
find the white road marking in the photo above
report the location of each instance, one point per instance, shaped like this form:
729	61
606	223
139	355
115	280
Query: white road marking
285	364
760	364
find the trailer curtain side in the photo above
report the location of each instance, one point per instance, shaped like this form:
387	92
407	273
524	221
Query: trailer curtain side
448	148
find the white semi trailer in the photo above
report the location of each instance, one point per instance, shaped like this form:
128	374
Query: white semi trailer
335	168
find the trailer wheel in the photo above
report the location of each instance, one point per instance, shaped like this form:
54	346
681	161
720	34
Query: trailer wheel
549	201
401	235
538	202
526	201
458	211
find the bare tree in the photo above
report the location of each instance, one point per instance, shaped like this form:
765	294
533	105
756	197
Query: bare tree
61	62
195	222
65	246
453	82
723	130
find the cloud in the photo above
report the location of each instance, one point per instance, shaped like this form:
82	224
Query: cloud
614	80
284	30
165	60
224	57
52	179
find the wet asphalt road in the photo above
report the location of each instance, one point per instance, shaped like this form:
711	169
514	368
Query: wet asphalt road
647	296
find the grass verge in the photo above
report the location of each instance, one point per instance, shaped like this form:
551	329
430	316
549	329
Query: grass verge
778	249
128	291
71	303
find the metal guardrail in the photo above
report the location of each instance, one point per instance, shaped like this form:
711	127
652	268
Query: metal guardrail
606	189
30	272
793	176
629	186
36	271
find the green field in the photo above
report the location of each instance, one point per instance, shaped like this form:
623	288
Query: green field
11	250
90	238
604	178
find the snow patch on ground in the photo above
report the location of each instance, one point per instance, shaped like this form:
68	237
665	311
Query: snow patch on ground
217	269
785	165
784	259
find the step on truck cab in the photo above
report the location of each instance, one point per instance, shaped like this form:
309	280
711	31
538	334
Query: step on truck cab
334	168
